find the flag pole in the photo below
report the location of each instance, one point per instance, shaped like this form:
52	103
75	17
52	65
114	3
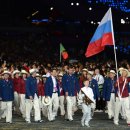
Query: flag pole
60	53
115	52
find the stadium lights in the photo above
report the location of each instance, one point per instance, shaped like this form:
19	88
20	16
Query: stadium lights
122	21
72	4
120	4
77	4
90	8
51	8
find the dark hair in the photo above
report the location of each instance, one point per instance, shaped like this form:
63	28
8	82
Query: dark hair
85	80
48	68
97	68
70	67
53	69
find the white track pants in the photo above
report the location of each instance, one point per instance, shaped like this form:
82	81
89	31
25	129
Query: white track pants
23	105
129	100
86	109
111	106
16	101
62	107
74	105
29	105
70	104
118	105
7	108
53	107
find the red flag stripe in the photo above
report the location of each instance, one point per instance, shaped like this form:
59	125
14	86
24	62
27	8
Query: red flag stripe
99	45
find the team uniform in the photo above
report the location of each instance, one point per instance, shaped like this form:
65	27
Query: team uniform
22	97
52	90
94	85
7	95
109	96
17	85
100	104
41	94
62	100
31	90
122	99
70	85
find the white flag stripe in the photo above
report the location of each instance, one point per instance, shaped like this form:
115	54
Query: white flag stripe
106	18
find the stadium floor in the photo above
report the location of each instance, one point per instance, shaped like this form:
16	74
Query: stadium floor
99	122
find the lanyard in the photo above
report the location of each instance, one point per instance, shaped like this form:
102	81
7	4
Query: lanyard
123	88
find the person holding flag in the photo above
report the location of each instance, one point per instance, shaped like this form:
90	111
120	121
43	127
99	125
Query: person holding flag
122	96
104	36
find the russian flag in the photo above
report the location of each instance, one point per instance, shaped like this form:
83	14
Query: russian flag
103	36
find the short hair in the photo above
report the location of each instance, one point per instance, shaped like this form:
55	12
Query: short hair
85	81
53	69
70	67
97	69
48	68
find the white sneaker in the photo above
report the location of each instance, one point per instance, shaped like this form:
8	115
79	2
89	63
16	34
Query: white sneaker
28	122
39	121
70	119
86	124
9	122
91	118
109	117
116	123
82	123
